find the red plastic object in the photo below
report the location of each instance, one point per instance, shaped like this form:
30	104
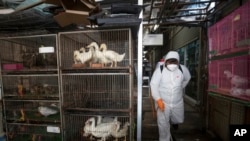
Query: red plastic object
241	27
225	35
232	33
17	66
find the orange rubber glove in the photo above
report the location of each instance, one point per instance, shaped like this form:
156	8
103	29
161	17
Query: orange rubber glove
160	104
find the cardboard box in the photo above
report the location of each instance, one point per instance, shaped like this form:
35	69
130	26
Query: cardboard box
76	66
75	13
64	19
96	65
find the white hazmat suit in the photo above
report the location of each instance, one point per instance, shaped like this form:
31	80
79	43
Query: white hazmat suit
168	86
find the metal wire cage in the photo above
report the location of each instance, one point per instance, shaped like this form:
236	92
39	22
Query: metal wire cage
93	91
75	123
32	112
97	92
22	132
22	53
31	87
118	40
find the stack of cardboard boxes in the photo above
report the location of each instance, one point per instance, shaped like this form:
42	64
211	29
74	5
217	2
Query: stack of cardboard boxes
75	11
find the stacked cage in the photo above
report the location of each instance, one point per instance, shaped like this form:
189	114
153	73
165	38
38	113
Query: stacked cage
229	71
229	44
96	86
241	27
231	75
224	31
30	79
232	33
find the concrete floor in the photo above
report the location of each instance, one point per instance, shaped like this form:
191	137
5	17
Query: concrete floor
193	128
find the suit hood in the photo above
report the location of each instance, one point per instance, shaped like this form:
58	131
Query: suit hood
172	55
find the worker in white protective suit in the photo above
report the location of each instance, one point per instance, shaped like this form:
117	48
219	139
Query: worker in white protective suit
167	86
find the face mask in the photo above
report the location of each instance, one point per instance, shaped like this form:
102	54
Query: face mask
172	67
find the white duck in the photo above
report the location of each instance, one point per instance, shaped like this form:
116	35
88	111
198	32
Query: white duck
77	57
81	56
119	133
87	127
236	80
102	130
98	56
237	91
101	119
111	56
48	110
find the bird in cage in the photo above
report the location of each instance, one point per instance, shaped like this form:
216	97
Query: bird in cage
101	130
11	132
82	56
48	89
236	80
48	110
111	55
98	56
51	59
29	58
100	120
35	137
36	89
22	118
105	119
237	91
120	133
40	60
20	90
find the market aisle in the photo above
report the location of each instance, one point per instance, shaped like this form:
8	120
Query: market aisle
190	130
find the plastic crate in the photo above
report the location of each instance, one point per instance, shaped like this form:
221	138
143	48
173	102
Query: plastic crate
213	74
241	69
241	16
213	40
225	35
232	33
241	27
238	66
223	81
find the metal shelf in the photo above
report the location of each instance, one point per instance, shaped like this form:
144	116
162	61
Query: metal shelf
231	54
245	101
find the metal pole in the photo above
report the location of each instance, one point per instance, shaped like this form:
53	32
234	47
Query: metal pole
139	76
